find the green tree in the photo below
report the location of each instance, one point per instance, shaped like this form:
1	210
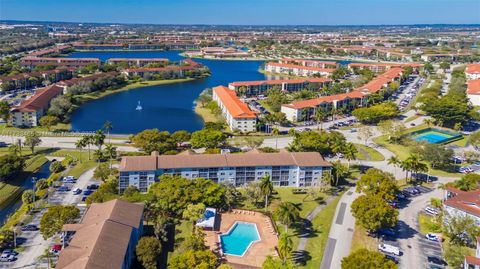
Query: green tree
373	213
56	167
455	255
55	217
111	153
379	183
468	182
49	121
323	142
153	140
103	171
367	259
275	133
193	212
108	126
275	263
148	251
395	161
376	113
462	230
4	110
253	142
288	214
27	197
266	186
285	246
350	152
99	139
204	259
32	139
10	166
209	139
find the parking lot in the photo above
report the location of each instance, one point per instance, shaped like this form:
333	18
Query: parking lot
407	91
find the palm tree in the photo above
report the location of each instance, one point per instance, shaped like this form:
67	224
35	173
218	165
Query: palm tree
288	214
111	152
350	152
414	164
88	140
99	139
13	148
339	170
108	127
319	116
275	132
266	186
395	161
80	144
428	121
285	246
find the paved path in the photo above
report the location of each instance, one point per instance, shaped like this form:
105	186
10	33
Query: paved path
341	232
307	225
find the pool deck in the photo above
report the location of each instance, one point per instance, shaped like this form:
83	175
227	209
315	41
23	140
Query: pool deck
257	253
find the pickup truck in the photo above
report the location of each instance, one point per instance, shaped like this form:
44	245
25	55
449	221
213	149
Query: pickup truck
389	249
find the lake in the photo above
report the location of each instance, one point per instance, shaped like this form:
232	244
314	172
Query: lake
166	107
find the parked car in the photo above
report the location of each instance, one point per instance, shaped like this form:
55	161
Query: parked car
389	249
432	237
436	260
84	198
77	191
56	249
92	187
387	232
392	258
69	179
7	258
29	227
87	192
63	188
10	252
431	211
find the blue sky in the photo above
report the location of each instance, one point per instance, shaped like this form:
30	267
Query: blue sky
271	12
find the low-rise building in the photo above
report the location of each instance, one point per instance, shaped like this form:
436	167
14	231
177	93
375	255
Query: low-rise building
295	169
297	70
140	62
33	61
34	79
254	88
105	238
473	91
237	114
462	203
178	71
309	63
29	112
65	84
473	262
472	71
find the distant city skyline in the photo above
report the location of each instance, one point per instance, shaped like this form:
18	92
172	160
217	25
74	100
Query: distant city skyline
247	12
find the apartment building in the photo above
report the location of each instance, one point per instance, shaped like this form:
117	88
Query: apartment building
473	91
65	84
462	203
472	71
34	79
29	112
380	67
297	70
140	62
473	262
32	61
84	46
106	237
295	169
237	114
174	70
309	63
303	110
255	88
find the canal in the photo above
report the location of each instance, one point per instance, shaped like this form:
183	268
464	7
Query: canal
43	172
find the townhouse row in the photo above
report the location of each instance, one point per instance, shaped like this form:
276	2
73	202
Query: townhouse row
472	72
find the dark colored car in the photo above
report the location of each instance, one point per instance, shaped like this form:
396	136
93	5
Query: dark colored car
387	232
436	260
92	187
388	257
87	192
29	227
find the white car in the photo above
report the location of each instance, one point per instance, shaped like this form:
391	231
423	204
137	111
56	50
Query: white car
432	237
431	211
7	258
389	249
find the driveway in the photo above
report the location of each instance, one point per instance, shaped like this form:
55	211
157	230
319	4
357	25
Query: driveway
33	241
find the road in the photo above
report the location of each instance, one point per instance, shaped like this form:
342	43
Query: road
65	142
33	241
341	232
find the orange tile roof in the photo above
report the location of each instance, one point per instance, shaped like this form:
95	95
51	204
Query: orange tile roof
473	69
325	99
326	70
40	100
233	104
467	201
280	81
473	87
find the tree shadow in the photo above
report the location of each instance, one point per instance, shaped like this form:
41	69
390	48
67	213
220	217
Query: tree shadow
301	257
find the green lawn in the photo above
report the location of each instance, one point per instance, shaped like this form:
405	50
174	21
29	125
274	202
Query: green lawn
368	154
427	224
321	225
14	130
361	239
81	168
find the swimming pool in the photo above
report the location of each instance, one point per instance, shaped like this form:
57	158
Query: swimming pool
435	136
239	238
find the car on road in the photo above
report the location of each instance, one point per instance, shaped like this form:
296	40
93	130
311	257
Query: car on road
87	192
432	237
436	260
29	227
431	211
77	191
7	258
389	249
93	187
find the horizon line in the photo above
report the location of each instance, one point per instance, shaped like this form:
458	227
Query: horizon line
267	25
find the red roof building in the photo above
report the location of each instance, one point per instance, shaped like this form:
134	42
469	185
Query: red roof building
238	115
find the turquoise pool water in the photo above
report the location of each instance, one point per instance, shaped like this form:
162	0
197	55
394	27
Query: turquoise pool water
433	137
238	239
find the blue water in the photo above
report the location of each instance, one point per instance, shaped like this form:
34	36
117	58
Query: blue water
237	241
166	107
432	137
